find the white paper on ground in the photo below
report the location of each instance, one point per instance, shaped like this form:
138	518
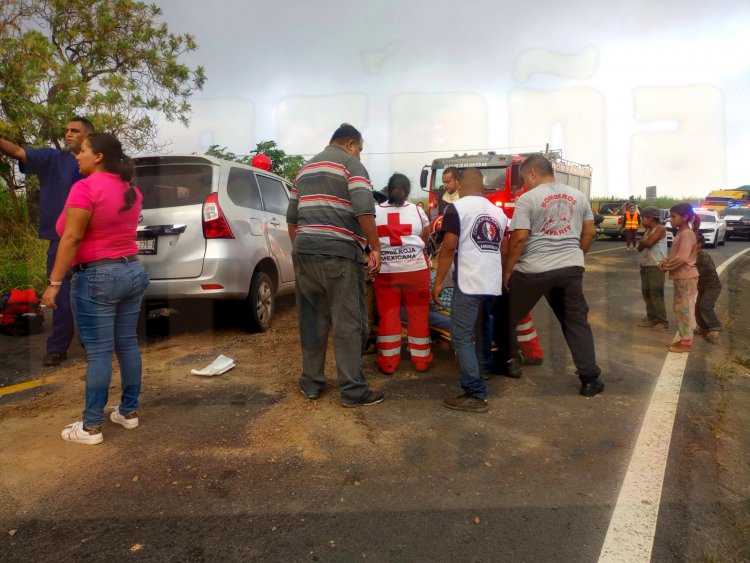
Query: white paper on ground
220	365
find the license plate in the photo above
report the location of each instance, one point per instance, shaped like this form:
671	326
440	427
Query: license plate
730	228
146	246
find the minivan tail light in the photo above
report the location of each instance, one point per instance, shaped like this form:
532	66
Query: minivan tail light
214	223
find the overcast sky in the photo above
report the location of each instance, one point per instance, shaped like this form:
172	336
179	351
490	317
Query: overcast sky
647	92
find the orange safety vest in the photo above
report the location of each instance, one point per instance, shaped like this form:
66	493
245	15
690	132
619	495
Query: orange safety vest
631	220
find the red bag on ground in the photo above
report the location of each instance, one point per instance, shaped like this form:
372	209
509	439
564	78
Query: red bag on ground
20	312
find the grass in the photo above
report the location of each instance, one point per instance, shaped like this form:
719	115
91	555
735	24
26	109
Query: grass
723	371
23	257
711	557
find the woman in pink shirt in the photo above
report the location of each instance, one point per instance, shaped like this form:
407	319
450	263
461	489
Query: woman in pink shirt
97	239
682	271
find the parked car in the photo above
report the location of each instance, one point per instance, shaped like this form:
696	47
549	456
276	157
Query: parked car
738	221
712	227
214	229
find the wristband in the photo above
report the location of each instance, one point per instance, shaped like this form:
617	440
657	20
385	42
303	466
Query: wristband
54	283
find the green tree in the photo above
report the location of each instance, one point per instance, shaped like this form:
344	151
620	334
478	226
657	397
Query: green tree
285	165
114	61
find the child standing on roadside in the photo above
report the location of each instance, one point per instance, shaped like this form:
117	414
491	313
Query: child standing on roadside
682	271
653	245
709	288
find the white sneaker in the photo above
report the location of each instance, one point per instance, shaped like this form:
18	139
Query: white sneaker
124	420
77	433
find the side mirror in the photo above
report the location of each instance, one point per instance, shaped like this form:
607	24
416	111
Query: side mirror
423	178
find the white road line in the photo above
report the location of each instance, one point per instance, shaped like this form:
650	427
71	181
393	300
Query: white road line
630	537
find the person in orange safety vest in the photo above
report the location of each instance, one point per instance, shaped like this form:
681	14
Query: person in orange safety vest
632	219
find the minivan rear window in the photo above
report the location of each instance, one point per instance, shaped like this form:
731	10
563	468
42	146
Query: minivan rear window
173	185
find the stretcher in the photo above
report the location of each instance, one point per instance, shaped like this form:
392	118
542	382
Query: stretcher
440	319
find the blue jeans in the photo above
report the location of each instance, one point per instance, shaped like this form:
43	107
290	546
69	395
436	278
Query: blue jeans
466	310
106	302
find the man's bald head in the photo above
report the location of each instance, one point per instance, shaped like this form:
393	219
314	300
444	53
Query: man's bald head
472	182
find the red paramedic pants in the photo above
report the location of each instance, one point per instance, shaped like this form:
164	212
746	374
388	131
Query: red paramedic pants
412	290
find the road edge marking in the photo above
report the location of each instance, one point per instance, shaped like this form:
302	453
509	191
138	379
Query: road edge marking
26	385
630	536
605	250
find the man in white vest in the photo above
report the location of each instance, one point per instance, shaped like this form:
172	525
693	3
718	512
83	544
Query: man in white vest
553	228
474	230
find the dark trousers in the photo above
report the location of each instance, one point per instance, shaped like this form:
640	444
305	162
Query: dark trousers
705	316
63	326
652	289
503	333
331	293
563	290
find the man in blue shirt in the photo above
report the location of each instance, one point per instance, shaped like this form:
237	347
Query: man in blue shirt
57	171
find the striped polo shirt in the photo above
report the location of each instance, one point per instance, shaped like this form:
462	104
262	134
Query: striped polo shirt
329	193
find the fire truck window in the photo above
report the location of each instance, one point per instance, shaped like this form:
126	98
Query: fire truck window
516	182
438	188
494	179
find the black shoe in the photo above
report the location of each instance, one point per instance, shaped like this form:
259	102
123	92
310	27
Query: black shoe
510	369
591	388
466	402
370	398
525	361
485	373
309	395
54	358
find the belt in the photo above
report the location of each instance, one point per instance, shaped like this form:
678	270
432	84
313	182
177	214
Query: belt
120	260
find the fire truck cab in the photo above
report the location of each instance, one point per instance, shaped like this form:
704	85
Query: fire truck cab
502	177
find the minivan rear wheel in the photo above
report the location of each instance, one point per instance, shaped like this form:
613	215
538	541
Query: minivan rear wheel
260	304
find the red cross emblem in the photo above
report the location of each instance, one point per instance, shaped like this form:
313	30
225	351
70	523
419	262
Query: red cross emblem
394	229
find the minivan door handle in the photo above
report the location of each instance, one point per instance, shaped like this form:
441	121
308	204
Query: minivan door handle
274	221
162	229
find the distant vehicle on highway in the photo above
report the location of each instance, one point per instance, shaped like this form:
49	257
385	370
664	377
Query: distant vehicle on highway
214	229
718	200
738	222
713	228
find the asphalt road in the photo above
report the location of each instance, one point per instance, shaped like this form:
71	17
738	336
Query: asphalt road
534	480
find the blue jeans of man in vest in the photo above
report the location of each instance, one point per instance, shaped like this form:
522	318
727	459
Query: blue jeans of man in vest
467	338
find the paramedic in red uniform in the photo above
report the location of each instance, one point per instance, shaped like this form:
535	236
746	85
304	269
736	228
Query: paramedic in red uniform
404	278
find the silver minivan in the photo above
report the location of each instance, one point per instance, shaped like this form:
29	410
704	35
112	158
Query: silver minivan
214	229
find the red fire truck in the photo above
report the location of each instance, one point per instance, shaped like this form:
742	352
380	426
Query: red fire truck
502	179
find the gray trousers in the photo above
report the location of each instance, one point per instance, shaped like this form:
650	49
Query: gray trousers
331	292
563	290
705	315
652	289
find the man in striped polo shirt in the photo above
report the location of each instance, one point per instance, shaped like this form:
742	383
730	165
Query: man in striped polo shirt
331	217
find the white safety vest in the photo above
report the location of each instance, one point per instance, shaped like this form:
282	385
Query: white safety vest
479	268
400	234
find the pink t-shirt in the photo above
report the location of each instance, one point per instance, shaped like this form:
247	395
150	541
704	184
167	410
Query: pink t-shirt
110	233
681	260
